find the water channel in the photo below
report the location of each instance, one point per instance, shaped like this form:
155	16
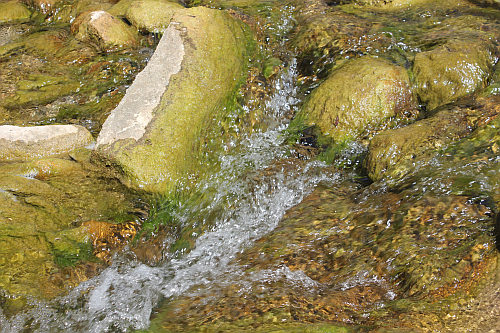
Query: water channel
276	236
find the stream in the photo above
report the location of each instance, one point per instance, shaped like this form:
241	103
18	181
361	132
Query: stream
285	234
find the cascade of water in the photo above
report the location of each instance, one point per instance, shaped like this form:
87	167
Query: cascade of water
123	296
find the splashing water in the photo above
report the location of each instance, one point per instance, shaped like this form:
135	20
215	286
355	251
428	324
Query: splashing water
123	296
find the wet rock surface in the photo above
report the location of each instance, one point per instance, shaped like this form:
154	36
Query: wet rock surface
41	211
104	31
360	94
451	71
414	251
392	151
13	11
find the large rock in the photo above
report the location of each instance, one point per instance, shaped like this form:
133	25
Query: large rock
393	151
13	11
120	9
104	31
360	94
26	143
42	205
451	71
159	133
152	15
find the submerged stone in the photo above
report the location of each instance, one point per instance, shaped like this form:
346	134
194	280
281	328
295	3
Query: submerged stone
391	152
451	71
13	11
382	3
493	3
103	30
158	135
360	94
325	36
26	143
152	15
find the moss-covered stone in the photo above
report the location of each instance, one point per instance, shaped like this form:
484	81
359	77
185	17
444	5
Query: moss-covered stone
120	9
13	11
321	38
104	31
360	94
171	138
451	71
391	152
152	15
41	205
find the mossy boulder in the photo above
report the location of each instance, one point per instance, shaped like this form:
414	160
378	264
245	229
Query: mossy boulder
452	71
392	152
104	31
120	9
360	94
160	134
42	205
28	143
13	11
151	15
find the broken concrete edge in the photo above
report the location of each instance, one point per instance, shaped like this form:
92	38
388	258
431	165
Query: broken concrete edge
33	142
135	111
187	134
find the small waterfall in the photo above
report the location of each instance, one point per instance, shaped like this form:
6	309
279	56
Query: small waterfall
123	296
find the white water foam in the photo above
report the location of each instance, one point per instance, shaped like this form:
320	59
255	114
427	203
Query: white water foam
123	296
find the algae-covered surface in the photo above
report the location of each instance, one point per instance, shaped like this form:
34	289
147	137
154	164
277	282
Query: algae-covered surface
48	76
399	234
43	206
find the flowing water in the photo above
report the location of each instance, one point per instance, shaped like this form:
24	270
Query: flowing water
259	180
123	296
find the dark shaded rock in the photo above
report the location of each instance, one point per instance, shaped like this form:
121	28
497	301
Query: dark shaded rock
451	71
392	152
357	96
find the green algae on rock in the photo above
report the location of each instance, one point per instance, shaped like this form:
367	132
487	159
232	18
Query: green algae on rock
159	134
358	95
391	152
13	11
152	15
120	9
41	204
104	31
451	71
